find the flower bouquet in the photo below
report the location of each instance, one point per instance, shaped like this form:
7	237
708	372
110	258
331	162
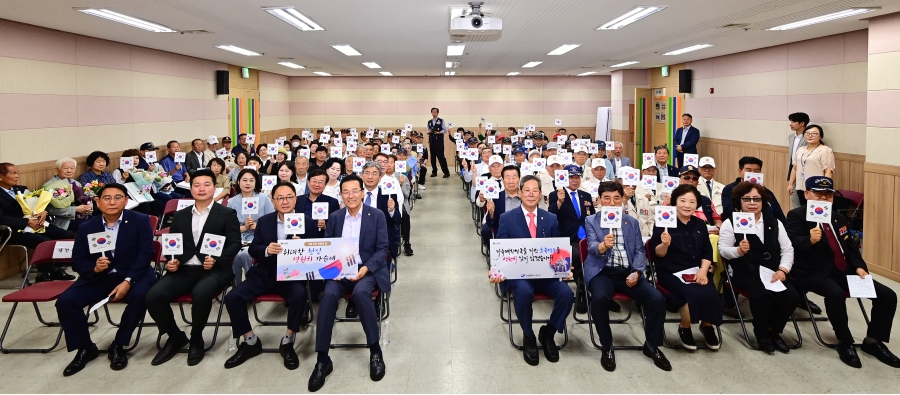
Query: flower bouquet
92	189
62	193
145	180
32	203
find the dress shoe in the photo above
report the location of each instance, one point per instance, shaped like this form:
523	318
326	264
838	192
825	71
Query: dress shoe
169	350
848	355
60	274
195	352
446	176
419	196
305	319
658	358
765	344
779	344
530	351
287	352
731	312
687	338
118	359
608	360
813	308
319	373
709	337
880	351
376	367
614	306
350	312
243	353
407	250
82	357
433	175
551	350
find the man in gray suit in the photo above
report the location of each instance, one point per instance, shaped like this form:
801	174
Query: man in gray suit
799	120
618	161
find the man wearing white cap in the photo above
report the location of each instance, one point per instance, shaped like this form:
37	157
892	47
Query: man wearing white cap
598	174
582	158
646	200
495	171
708	186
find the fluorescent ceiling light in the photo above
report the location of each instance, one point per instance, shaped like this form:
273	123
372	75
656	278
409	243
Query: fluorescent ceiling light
688	49
587	73
239	50
455	49
291	65
563	49
385	73
531	64
322	73
346	50
636	14
825	18
371	65
513	73
623	64
448	65
449	73
292	16
128	20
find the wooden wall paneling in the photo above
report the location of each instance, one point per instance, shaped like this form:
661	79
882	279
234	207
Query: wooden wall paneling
658	81
881	216
236	82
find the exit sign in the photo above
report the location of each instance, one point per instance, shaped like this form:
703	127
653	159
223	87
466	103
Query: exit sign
665	71
245	72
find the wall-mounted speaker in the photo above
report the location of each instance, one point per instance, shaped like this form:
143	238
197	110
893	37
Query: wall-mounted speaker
221	82
684	81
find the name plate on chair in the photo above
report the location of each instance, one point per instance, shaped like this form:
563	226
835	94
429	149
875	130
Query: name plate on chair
318	259
63	249
531	258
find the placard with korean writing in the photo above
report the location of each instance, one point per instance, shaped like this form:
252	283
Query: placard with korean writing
756	178
212	244
268	182
150	156
610	217
63	249
250	206
691	160
320	210
531	258
101	241
126	163
172	244
561	178
319	259
179	157
648	182
294	224
818	211
184	203
743	223
665	217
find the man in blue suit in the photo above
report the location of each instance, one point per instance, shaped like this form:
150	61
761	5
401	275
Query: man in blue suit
369	226
263	279
125	273
686	139
507	200
529	221
373	197
571	206
615	262
317	179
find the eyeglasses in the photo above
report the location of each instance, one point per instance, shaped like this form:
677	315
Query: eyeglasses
751	199
281	199
108	198
352	191
823	194
812	133
690	178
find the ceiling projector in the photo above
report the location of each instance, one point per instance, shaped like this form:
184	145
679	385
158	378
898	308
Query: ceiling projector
475	23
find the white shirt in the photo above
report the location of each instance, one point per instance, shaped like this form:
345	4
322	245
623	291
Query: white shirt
200	158
684	132
352	224
729	251
198	220
374	200
797	141
576	201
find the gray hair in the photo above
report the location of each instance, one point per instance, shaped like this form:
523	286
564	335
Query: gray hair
300	157
62	161
374	164
529	178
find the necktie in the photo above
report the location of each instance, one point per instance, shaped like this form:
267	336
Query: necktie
581	233
368	199
532	226
709	187
839	261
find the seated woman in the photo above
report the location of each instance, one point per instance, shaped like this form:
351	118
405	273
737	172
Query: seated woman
265	162
80	209
686	248
250	185
767	247
240	160
286	172
334	167
280	158
97	162
158	205
222	180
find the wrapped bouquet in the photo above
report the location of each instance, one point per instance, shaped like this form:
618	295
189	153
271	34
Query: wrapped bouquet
145	180
32	203
62	193
92	189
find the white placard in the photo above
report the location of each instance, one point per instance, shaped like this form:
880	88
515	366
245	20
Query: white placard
294	224
320	210
549	257
489	126
817	211
222	153
351	146
63	249
648	182
561	139
594	189
150	156
126	163
386	148
562	178
630	176
212	244
336	152
669	184
530	128
250	206
250	139
381	134
327	128
403	133
756	178
507	149
325	138
648	157
390	186
272	149
457	136
408	127
370	134
491	139
558	122
765	275
179	157
526	168
172	244
744	223
268	182
610	145
528	143
101	241
491	190
395	139
400	166
665	217
184	203
304	152
565	158
420	148
861	287
371	129
539	163
358	163
691	160
337	142
593	148
480	183
497	148
611	217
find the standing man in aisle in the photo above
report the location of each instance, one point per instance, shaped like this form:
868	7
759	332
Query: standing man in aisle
798	120
436	131
686	139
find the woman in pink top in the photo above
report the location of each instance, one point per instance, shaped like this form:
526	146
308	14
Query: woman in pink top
816	159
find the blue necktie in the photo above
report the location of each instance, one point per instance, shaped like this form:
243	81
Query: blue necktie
581	233
368	199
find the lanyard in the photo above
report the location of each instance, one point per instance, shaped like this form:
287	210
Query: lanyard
804	158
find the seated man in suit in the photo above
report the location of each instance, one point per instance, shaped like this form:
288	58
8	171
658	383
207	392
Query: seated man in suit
196	158
366	223
618	161
823	259
615	263
124	273
529	221
571	206
317	180
663	168
373	175
508	199
262	279
202	276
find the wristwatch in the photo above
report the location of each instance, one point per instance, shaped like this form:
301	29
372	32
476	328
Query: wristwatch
129	280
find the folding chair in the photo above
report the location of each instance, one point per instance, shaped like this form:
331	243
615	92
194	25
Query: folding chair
157	250
507	299
735	291
169	210
181	300
154	223
382	305
816	327
393	262
5	235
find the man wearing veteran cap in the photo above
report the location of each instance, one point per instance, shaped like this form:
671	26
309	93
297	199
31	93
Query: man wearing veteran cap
824	261
646	200
708	186
705	211
571	207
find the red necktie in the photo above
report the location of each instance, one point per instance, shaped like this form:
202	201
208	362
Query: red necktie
839	261
532	226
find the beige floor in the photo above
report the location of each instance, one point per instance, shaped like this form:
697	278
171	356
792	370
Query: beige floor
446	336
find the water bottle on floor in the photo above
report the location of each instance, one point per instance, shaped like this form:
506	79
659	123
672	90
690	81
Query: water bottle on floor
233	345
385	332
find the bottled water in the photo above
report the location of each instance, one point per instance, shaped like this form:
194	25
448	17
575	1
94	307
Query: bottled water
385	332
233	345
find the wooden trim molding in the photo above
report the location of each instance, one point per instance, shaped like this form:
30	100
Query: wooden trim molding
881	169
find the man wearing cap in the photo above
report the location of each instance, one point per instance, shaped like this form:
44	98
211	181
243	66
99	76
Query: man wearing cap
599	173
824	259
571	206
708	186
518	155
539	142
436	130
226	143
646	200
142	163
212	144
548	181
689	175
617	159
581	157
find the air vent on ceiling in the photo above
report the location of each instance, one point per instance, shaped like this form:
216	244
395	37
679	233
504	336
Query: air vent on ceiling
285	58
736	26
195	31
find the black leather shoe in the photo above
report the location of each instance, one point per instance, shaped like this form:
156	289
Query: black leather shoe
376	367
350	312
848	355
658	358
813	308
880	351
195	353
287	352
608	360
446	176
779	344
243	353
169	350
614	307
433	175
82	357
765	344
731	312
319	373
305	318
551	351
530	351
687	338
41	277
407	250
60	274
118	359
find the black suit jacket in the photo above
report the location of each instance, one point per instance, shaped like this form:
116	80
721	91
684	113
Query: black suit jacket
11	213
222	221
132	256
305	206
814	262
569	221
267	232
393	220
192	163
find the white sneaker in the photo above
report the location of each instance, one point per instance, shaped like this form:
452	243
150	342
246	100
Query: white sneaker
422	187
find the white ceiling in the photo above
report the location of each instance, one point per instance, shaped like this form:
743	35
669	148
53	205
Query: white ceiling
409	38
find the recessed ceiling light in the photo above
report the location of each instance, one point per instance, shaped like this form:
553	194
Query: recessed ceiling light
455	49
293	17
385	73
322	73
128	20
291	65
448	64
512	73
239	50
636	14
688	49
531	64
825	18
623	64
371	65
587	73
346	50
449	73
563	49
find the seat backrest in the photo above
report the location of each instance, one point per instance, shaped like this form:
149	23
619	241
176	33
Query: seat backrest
171	207
583	249
44	253
855	197
154	223
157	251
